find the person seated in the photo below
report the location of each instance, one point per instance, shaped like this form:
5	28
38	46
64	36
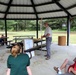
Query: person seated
69	65
2	39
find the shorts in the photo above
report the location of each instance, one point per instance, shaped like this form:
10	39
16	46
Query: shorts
70	62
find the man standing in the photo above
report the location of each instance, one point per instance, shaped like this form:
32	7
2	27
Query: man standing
48	36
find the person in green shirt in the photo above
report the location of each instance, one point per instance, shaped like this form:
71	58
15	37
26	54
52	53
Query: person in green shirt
18	63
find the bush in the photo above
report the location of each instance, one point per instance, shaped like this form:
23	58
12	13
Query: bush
73	29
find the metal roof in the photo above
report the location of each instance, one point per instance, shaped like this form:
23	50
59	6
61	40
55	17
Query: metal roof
36	9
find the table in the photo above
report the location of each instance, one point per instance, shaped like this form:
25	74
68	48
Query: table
38	41
37	47
25	36
16	38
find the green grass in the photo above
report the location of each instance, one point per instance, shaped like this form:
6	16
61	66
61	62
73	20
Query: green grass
55	34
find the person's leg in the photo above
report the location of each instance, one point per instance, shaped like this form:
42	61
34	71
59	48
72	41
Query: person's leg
63	66
66	64
48	46
2	41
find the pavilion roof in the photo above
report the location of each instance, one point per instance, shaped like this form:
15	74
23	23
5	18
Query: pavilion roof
36	9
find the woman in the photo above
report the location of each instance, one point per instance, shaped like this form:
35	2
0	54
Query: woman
18	63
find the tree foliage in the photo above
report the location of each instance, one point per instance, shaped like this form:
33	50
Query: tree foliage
19	25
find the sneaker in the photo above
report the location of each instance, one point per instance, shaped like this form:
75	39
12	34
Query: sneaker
56	69
45	55
47	58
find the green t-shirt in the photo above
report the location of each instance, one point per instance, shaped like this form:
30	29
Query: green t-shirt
18	65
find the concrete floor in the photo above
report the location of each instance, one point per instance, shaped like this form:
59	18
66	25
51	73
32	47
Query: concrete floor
39	65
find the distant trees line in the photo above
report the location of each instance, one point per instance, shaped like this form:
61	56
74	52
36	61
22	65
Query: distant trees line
19	25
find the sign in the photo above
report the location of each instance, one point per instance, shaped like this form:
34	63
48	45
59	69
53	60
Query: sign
28	43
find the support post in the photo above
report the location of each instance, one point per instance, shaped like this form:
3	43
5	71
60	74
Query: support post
37	28
6	29
68	30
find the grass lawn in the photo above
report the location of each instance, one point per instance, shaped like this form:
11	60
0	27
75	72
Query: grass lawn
55	35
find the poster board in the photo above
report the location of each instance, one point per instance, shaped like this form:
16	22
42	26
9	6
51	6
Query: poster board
28	43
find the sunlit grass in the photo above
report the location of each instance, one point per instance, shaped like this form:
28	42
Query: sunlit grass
55	35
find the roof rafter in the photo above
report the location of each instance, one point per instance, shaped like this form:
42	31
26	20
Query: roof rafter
23	5
50	11
8	7
33	5
46	3
2	12
72	6
62	7
41	4
21	13
16	5
3	3
32	18
20	5
59	10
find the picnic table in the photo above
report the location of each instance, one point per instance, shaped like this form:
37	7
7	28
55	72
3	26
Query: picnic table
29	50
16	38
37	41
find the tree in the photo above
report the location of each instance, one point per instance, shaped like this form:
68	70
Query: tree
11	24
2	25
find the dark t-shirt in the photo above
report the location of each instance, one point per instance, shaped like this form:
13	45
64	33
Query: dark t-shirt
18	65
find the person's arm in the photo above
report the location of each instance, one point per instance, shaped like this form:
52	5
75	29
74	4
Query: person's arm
72	70
29	71
45	35
8	72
